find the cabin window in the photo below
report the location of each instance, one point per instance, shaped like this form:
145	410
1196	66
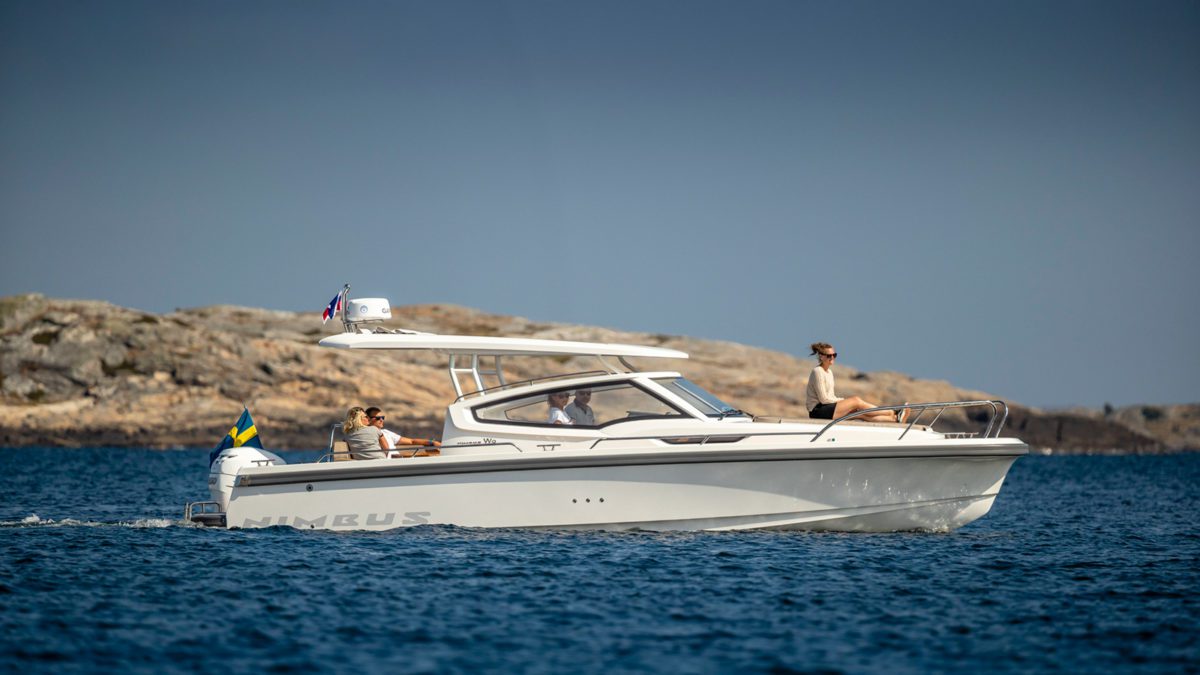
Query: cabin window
609	403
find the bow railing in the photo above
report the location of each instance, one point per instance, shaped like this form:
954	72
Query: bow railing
999	412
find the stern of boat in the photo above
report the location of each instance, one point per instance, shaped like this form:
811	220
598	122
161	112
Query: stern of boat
222	475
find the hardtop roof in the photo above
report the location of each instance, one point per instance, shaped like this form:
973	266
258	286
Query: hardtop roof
477	345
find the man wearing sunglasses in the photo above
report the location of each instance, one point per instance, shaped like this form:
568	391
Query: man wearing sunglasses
391	439
579	411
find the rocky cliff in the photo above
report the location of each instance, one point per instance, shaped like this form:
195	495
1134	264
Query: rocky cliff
76	373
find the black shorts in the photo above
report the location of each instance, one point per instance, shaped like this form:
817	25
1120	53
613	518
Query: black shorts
822	411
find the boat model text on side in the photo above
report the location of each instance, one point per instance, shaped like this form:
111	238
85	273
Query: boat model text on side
662	454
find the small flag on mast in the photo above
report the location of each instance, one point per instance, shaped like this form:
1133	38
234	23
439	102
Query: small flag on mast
335	306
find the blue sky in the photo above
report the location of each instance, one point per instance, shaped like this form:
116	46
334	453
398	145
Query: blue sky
1001	194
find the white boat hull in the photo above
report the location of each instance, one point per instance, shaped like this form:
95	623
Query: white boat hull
933	491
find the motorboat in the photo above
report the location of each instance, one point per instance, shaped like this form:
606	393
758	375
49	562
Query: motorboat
658	453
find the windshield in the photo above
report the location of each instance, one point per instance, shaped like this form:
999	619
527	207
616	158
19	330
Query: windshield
701	399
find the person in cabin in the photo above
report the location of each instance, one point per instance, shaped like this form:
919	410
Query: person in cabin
558	400
821	401
391	440
579	411
365	441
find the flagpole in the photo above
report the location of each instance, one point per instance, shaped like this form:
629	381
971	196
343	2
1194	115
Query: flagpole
342	298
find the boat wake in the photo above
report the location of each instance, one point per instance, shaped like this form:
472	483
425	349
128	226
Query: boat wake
33	520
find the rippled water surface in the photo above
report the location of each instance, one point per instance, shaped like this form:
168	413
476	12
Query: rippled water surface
1084	564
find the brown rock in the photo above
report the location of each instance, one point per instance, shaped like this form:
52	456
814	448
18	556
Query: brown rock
76	373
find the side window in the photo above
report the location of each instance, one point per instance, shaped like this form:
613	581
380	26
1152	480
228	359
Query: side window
626	401
531	409
607	403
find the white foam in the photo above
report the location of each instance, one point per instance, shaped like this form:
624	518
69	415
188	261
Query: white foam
141	523
150	523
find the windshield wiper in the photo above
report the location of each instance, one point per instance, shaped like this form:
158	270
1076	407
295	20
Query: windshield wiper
731	411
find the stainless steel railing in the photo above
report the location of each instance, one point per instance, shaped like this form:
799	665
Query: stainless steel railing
329	455
204	513
999	410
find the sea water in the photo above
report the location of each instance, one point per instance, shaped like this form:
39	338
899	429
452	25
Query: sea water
1085	564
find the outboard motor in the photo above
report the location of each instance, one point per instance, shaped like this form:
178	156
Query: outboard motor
225	469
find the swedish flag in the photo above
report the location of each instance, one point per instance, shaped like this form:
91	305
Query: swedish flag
244	433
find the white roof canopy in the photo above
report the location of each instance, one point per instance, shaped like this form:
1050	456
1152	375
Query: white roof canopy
472	345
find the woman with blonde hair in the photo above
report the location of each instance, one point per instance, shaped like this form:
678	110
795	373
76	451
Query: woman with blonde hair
824	405
557	401
364	440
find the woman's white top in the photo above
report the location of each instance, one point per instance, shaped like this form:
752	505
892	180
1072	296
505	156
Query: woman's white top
557	416
820	388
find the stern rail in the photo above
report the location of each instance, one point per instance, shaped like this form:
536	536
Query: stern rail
208	514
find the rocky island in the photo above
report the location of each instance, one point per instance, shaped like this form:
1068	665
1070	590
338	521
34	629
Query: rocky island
87	373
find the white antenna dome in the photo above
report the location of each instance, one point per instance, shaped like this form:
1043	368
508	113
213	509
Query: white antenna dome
364	310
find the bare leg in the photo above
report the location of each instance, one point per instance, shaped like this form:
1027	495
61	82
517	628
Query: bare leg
851	404
855	404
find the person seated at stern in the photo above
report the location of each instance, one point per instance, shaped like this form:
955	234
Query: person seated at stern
391	440
365	441
821	401
579	411
558	400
